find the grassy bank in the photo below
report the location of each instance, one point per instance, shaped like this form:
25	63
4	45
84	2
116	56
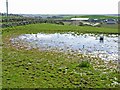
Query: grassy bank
35	28
24	68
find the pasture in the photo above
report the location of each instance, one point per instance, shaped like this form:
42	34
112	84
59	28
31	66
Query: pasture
22	68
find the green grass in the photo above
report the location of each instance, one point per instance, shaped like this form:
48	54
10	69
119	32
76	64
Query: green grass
0	59
113	26
85	63
52	28
23	68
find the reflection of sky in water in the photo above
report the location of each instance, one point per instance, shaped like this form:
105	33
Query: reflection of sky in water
83	43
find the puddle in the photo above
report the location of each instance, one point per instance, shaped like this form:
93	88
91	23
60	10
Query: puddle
83	43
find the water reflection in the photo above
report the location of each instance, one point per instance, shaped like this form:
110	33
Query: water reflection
83	43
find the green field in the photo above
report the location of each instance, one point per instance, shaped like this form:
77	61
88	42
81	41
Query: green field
52	28
22	68
114	26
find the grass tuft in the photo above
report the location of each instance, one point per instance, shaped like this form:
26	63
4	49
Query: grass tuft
85	63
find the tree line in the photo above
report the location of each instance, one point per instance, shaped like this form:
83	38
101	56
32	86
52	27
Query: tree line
16	20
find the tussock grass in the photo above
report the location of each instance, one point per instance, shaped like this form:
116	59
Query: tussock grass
84	63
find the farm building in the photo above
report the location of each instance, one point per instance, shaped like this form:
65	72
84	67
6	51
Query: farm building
76	21
111	21
80	19
95	20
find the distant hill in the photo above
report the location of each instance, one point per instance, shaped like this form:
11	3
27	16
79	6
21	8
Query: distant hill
68	16
93	17
112	14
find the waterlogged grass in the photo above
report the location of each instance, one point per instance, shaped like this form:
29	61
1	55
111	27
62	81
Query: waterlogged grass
24	68
34	69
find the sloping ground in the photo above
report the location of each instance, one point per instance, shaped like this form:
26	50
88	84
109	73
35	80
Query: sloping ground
24	68
52	28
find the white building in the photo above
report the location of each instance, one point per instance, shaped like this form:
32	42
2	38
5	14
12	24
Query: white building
80	19
76	21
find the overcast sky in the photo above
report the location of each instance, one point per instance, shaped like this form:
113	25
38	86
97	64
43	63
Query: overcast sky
61	6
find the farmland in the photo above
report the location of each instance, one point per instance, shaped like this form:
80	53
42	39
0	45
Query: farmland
114	26
24	68
92	17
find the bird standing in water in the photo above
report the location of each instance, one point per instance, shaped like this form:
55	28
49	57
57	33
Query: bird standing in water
101	39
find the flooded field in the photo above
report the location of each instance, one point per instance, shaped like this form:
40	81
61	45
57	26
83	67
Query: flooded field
81	43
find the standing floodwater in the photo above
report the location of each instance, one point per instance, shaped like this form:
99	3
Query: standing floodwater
83	43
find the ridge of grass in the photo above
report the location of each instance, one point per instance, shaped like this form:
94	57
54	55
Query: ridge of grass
53	28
